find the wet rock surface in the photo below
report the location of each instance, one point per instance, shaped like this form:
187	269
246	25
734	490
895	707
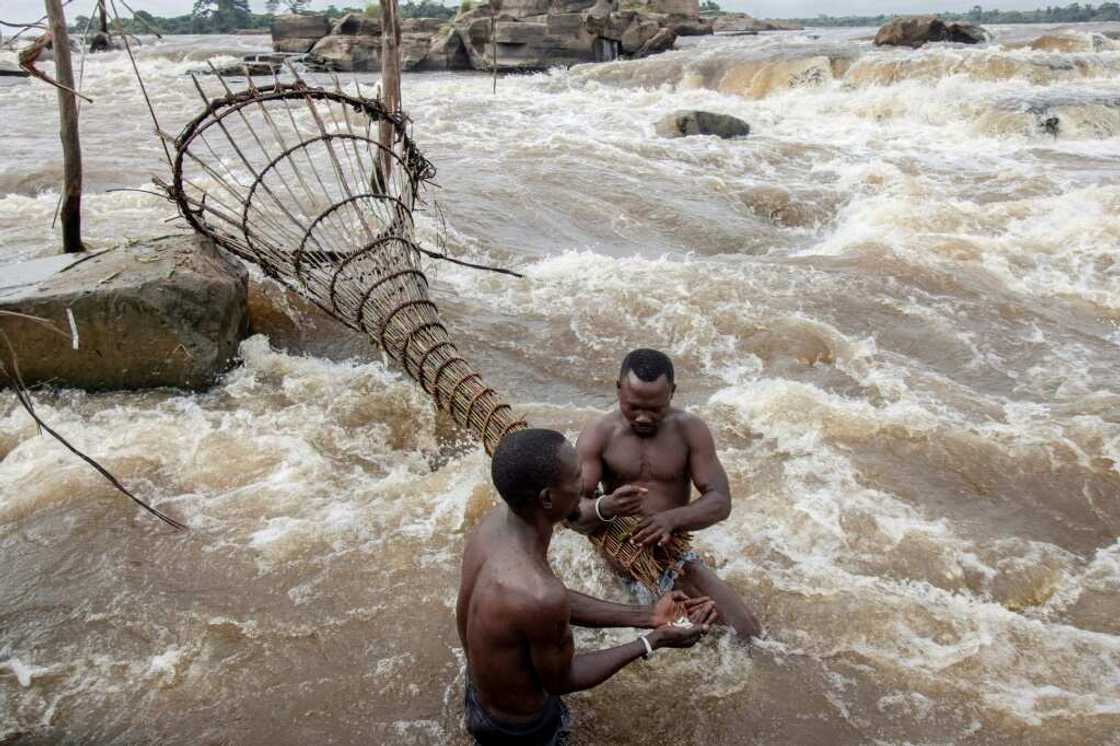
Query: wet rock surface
915	31
688	123
167	312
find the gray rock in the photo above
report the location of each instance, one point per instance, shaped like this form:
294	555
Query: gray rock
298	33
10	70
914	31
687	123
637	34
662	41
346	53
253	69
169	312
357	24
691	27
446	52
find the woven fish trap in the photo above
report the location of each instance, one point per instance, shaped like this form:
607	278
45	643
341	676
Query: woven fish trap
294	179
646	564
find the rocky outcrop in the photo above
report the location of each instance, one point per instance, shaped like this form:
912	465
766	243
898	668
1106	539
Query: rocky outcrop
169	312
446	51
298	33
742	23
514	35
688	123
914	31
354	45
662	41
538	34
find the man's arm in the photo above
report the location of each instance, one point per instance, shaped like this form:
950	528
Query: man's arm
589	451
710	479
562	671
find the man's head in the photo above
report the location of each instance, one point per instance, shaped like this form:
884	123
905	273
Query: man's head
537	470
645	390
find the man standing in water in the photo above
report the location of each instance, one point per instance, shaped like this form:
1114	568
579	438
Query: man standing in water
513	614
648	455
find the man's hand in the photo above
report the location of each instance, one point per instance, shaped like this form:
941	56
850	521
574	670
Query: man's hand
701	610
668	636
626	500
656	529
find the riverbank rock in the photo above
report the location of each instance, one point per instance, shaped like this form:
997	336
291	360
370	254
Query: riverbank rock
298	33
743	23
9	70
167	312
662	41
915	31
446	51
687	123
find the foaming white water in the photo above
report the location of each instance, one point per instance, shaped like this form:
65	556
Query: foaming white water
895	303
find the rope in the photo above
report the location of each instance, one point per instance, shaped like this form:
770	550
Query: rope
140	80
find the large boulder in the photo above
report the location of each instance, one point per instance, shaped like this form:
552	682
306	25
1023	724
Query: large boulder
346	53
691	26
662	41
914	31
168	312
446	51
298	33
687	123
357	24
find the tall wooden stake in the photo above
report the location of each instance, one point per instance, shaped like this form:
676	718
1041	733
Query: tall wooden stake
390	79
71	149
104	16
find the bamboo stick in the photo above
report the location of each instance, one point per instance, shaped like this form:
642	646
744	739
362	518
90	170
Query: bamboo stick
68	133
390	80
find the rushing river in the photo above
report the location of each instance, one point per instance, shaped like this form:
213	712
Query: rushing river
897	303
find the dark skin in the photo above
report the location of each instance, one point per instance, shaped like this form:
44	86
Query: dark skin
514	615
648	456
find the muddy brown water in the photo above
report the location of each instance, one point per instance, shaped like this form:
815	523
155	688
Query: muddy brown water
896	303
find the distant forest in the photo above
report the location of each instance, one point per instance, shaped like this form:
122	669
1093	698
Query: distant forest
226	16
1073	13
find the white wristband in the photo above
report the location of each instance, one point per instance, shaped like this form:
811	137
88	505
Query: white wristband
649	648
599	512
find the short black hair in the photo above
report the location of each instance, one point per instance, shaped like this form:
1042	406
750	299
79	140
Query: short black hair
526	462
648	365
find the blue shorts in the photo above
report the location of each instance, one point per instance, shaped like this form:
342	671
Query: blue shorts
665	583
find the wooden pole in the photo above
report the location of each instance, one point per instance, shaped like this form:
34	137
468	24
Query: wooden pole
390	79
104	16
71	148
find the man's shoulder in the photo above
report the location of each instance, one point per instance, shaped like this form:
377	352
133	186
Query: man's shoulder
601	428
689	425
536	596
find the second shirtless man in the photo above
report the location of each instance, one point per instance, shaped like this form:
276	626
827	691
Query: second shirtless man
648	455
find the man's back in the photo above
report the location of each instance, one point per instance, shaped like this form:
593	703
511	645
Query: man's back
503	588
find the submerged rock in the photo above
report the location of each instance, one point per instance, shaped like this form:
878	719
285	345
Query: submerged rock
687	123
10	70
914	31
169	312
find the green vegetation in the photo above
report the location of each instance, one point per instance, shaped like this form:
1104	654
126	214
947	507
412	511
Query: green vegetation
1073	13
227	16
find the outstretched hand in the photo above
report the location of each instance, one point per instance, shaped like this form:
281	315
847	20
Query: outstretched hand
701	611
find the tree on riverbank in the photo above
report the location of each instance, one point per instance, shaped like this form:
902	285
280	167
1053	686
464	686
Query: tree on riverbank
1073	13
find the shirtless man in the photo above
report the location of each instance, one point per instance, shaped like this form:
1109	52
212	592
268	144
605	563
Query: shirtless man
648	455
514	614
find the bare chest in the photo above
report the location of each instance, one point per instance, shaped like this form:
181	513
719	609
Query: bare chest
646	460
